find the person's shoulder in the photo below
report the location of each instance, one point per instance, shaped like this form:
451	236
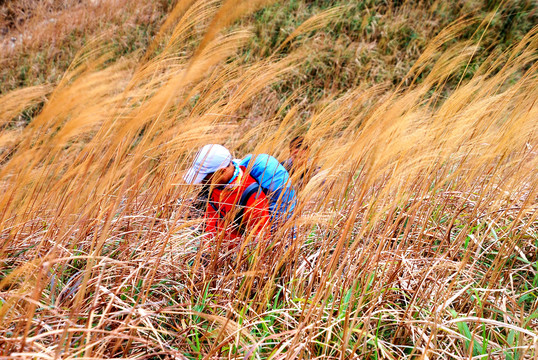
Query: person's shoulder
248	179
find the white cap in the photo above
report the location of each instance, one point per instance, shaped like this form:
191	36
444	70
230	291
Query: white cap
209	159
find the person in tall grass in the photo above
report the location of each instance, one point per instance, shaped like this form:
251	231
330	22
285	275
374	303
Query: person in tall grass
299	165
234	207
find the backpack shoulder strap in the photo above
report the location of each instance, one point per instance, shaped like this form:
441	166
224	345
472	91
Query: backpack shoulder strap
215	207
249	191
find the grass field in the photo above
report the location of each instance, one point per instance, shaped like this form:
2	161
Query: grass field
418	237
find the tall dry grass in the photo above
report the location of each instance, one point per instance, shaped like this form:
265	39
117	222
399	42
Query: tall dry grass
38	39
417	238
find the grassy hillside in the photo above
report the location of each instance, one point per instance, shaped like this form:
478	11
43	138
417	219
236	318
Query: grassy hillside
418	237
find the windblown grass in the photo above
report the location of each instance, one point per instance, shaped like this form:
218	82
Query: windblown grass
417	238
38	39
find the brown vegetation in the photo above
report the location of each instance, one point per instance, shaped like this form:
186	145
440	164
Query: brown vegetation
418	237
38	39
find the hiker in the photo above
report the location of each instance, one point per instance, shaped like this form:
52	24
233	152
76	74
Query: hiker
299	165
229	187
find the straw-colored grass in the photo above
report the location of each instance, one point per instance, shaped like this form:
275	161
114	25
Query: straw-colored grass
38	39
416	239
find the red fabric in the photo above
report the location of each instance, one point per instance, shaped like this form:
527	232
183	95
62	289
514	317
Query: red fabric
256	216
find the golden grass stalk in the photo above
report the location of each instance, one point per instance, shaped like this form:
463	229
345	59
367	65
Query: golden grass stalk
415	239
